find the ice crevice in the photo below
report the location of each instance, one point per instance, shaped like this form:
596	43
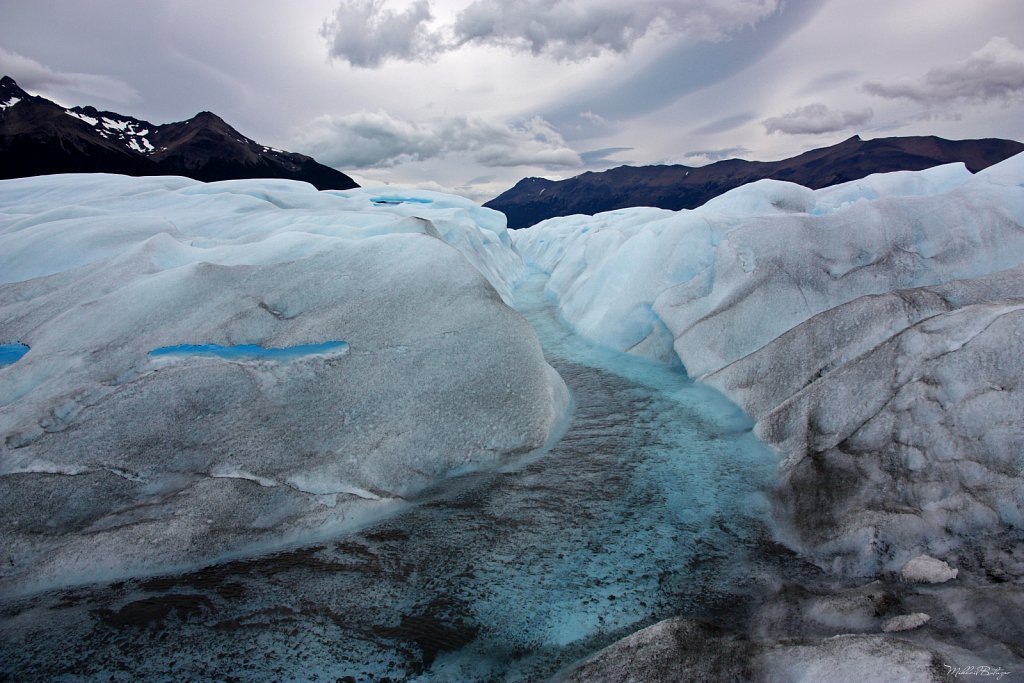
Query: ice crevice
330	490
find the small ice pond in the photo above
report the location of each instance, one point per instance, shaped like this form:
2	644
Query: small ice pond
11	353
401	200
252	351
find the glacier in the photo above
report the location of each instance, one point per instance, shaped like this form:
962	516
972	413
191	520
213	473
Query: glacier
872	329
388	361
325	420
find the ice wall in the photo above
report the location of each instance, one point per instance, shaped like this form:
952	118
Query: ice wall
873	329
114	461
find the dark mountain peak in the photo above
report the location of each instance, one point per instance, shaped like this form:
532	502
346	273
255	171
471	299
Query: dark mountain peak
533	182
682	187
10	88
207	118
206	124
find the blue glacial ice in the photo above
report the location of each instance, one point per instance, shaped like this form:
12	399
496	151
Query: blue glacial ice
11	353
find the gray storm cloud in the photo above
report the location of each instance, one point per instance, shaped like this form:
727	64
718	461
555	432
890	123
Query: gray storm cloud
366	34
577	29
379	140
995	72
815	119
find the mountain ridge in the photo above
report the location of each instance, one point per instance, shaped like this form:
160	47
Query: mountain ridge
676	187
40	137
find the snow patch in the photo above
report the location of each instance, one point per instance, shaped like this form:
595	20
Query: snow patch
115	124
905	622
88	119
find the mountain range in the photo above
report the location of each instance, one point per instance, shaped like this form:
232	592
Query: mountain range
39	137
676	187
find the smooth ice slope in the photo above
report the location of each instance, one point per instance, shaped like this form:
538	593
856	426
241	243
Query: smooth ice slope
114	462
873	329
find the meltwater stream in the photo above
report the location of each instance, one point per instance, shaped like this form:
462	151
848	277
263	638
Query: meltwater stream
650	506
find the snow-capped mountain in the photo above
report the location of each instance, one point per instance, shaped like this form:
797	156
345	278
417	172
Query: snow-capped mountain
39	137
683	187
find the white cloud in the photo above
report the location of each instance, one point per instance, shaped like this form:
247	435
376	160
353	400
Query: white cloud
39	78
995	72
366	34
702	157
815	119
380	140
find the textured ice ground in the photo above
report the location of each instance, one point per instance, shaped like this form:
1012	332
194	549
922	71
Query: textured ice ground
115	462
873	329
679	649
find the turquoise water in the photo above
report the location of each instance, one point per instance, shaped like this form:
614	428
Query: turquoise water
11	353
401	200
251	351
650	506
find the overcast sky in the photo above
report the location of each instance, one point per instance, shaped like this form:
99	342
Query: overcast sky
472	95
